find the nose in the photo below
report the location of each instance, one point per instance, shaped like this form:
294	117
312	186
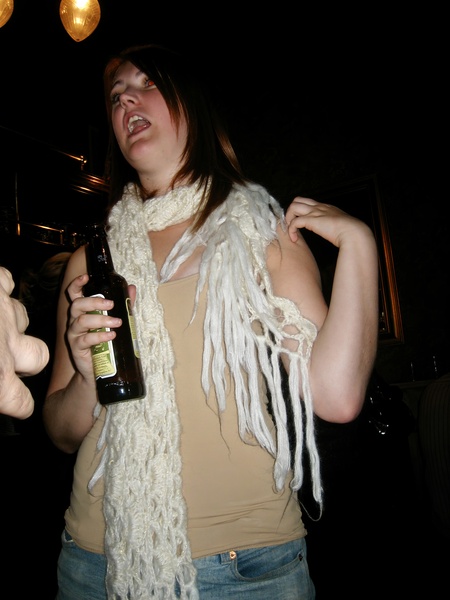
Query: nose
127	97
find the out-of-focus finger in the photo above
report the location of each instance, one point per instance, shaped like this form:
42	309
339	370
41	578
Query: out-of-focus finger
6	280
31	356
15	398
22	318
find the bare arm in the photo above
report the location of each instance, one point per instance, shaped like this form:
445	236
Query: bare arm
72	396
20	354
345	348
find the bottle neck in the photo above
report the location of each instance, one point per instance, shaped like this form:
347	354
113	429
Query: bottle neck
98	254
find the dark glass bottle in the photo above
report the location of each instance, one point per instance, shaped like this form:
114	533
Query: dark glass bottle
117	364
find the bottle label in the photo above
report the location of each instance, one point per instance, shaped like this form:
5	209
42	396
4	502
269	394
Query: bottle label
103	354
132	323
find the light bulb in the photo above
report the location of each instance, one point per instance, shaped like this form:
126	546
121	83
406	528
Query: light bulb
79	17
6	10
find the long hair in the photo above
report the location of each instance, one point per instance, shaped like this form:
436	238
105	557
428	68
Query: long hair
208	155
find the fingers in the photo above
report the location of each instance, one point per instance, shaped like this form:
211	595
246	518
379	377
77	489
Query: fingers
75	287
89	322
20	354
84	305
299	207
31	355
15	398
21	315
89	325
132	293
326	220
6	280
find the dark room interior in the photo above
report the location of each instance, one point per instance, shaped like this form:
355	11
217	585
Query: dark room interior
346	108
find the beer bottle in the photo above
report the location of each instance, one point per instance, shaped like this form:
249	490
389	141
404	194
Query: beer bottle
117	363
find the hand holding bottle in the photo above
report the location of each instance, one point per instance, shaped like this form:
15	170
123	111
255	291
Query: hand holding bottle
117	362
88	325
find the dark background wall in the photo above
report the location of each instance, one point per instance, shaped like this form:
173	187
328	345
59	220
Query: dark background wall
398	146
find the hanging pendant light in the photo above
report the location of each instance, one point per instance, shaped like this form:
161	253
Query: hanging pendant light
79	17
6	10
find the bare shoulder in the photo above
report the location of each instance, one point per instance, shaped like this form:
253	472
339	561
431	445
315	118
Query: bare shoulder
284	254
295	275
76	265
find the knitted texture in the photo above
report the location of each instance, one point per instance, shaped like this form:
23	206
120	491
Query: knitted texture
146	522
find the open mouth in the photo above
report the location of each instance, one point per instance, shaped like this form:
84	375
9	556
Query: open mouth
136	123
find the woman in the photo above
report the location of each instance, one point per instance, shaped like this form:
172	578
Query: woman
191	492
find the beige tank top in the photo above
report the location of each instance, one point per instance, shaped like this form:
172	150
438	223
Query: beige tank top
227	483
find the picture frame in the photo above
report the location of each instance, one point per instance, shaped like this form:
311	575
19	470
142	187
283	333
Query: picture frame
361	198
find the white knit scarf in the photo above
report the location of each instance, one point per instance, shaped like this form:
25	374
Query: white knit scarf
146	540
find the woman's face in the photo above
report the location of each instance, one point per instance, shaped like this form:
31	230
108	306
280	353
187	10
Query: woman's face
145	132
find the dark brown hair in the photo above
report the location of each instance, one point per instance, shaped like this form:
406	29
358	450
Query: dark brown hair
208	154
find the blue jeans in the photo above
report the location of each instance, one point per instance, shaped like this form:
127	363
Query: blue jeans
269	573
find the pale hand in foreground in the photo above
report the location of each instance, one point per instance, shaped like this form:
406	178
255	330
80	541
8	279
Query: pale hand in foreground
20	354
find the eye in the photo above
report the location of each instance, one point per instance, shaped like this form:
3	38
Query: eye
149	83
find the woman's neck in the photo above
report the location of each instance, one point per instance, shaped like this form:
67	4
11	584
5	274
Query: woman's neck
159	186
